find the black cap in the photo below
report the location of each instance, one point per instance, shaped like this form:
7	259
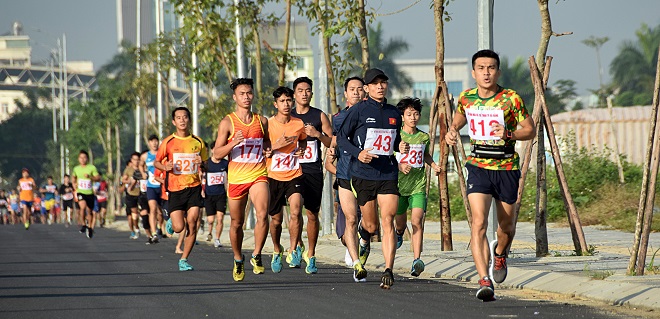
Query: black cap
152	137
374	73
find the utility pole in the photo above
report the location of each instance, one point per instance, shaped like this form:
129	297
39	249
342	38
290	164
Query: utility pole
327	207
66	97
61	104
120	24
159	76
240	47
485	41
137	74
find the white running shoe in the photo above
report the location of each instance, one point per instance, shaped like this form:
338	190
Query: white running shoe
348	260
216	243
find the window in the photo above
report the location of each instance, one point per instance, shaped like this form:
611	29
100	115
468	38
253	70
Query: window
5	108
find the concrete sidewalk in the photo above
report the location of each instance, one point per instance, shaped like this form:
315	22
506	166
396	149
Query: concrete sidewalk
599	277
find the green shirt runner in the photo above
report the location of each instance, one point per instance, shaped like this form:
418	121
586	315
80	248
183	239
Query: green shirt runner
85	183
415	181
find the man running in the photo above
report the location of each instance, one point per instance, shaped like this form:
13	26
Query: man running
412	180
287	136
371	133
4	210
494	114
66	195
153	187
347	210
101	193
243	135
318	130
132	193
83	176
27	187
143	203
49	190
215	200
181	156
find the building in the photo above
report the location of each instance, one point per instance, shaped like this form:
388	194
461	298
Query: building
300	48
422	72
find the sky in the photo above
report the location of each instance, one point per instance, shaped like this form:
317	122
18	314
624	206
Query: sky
90	28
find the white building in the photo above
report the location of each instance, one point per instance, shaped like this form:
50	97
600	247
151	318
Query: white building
422	72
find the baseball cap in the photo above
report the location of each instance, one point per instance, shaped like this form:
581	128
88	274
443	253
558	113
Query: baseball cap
374	73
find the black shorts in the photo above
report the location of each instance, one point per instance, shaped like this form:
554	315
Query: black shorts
143	202
280	191
312	189
89	200
368	190
215	204
502	185
131	202
67	204
185	199
103	204
344	183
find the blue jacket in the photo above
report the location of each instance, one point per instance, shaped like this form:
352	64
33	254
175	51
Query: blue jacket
344	160
353	133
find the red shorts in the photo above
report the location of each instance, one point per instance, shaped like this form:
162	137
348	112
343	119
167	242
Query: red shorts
238	191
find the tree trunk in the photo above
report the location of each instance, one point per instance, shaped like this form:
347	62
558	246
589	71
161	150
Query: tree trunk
332	89
646	190
364	38
111	174
622	179
540	227
285	50
257	62
118	170
574	219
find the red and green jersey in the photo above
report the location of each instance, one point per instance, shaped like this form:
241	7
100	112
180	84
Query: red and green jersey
513	109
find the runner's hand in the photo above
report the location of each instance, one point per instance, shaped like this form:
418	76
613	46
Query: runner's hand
405	168
436	168
197	160
404	147
451	137
268	152
310	130
238	137
168	166
300	152
331	152
365	156
498	130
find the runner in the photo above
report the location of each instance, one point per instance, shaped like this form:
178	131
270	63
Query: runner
14	206
101	192
132	188
494	114
83	176
153	186
243	135
26	185
49	190
66	193
412	180
181	156
287	135
143	202
370	133
215	193
347	211
318	130
4	211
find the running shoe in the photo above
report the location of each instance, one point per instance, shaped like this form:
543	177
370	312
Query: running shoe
132	235
239	271
90	233
184	265
209	237
486	290
154	239
348	259
27	226
294	258
399	240
160	233
82	230
387	279
201	227
311	266
497	269
365	249
276	262
168	227
257	265
217	243
417	267
359	273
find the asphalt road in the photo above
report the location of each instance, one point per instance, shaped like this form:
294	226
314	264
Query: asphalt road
56	272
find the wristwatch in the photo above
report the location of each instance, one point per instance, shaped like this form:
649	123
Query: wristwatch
508	135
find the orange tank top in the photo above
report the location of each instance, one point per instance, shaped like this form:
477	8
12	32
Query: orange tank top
246	160
27	191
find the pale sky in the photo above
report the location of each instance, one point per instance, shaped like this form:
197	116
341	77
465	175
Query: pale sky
90	28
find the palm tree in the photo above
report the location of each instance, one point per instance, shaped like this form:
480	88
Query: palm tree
516	76
633	69
381	56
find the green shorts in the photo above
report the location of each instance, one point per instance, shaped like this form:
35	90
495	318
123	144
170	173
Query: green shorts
417	200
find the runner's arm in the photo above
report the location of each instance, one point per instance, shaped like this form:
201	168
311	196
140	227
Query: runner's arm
345	131
526	131
330	157
326	136
222	145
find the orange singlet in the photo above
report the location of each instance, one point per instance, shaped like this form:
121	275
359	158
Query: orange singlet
247	165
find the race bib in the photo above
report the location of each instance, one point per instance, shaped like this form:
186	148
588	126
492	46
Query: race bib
249	151
67	196
283	162
183	164
51	188
143	185
85	184
480	122
26	186
311	153
216	178
3	202
380	140
152	179
415	156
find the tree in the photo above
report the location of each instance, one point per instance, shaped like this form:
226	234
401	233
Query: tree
633	69
596	43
